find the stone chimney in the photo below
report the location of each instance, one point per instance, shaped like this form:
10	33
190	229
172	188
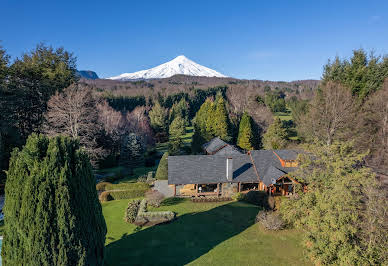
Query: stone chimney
229	169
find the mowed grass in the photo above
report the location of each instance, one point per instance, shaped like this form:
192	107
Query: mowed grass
202	234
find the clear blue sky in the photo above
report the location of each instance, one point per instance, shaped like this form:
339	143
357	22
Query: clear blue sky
270	40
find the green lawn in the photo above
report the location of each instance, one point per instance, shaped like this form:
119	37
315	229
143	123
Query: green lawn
203	234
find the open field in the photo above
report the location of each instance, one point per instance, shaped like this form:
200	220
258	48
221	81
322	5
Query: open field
203	234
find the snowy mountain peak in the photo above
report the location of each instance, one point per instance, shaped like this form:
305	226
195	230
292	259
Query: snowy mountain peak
179	65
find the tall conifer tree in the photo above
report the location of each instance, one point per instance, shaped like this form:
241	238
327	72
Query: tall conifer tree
52	213
246	139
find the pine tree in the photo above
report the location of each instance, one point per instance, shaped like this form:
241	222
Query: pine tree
246	139
132	151
52	213
276	136
181	109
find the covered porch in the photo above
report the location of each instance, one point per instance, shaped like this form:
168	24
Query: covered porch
284	186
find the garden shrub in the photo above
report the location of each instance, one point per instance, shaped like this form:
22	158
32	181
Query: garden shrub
105	196
270	220
102	186
259	198
126	194
238	196
131	211
151	218
211	199
154	198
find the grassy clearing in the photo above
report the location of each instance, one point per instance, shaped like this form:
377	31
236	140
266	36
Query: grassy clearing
284	116
203	234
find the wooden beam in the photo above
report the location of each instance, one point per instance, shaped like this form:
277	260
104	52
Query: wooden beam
174	190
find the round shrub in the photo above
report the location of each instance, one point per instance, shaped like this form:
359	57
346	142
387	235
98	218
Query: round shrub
238	196
131	211
270	220
105	196
102	186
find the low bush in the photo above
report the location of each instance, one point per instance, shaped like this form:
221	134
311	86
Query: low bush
154	198
270	220
171	201
151	218
126	194
131	211
260	198
105	196
211	199
238	196
142	179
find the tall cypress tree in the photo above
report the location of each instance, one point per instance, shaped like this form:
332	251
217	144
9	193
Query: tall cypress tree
246	139
220	122
52	213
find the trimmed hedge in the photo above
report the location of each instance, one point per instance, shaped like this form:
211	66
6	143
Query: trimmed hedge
126	194
211	199
122	191
105	196
151	218
102	186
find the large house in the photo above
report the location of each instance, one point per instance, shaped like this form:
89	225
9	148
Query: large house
225	170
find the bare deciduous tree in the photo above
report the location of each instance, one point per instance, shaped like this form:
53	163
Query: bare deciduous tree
331	116
139	123
73	113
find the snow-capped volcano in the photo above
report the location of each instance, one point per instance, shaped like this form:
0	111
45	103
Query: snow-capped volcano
179	65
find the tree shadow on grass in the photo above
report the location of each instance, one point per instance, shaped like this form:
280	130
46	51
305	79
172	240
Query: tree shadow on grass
183	240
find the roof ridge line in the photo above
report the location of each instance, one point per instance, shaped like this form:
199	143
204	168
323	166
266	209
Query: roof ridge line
254	166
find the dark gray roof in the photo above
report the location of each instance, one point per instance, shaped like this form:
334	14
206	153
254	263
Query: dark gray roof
214	145
228	150
202	169
287	154
268	165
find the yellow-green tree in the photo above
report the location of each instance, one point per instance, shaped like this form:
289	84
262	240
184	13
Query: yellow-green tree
276	136
246	138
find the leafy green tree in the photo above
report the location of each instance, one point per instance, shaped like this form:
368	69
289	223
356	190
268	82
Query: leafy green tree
276	136
343	212
162	171
52	213
33	79
177	130
246	138
158	117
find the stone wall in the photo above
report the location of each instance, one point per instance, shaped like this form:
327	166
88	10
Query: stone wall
228	189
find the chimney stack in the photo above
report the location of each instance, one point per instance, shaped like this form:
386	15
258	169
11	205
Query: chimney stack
229	169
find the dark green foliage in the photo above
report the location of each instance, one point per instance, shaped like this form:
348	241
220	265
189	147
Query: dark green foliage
246	137
210	121
132	151
362	74
259	198
131	211
162	171
125	103
52	213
